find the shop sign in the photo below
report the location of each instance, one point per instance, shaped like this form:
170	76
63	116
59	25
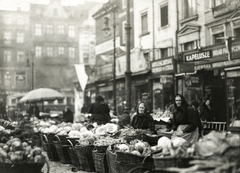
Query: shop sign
226	63
166	79
186	68
222	51
202	66
198	56
225	8
163	65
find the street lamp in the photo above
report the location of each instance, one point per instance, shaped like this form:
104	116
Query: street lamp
106	29
29	53
128	72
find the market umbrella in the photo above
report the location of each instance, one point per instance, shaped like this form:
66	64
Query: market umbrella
40	95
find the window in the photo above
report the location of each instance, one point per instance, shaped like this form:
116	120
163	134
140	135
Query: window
38	51
71	31
164	52
20	37
55	12
216	38
61	51
164	15
189	8
7	37
50	51
237	33
20	56
216	2
7	56
71	51
188	45
60	29
7	19
19	20
20	79
49	29
124	4
38	29
144	23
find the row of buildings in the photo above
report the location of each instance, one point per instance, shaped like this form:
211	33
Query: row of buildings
39	47
189	47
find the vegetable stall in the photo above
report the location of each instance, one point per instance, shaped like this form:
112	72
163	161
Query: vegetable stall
107	148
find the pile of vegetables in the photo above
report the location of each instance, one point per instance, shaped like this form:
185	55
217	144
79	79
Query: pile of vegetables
14	150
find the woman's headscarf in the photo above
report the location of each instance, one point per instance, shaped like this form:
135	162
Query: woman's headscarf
184	103
145	111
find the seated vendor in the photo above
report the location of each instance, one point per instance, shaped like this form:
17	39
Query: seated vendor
142	119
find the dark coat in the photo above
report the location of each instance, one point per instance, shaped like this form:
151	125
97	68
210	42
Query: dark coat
206	113
143	122
68	116
100	112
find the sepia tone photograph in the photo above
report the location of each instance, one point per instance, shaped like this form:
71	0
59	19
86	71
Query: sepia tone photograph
120	86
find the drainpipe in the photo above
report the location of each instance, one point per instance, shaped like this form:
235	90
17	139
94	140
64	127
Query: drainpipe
176	48
153	47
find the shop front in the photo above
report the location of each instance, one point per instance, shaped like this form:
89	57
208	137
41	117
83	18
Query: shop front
216	76
162	80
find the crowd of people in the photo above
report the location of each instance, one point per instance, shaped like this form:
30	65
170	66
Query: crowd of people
186	120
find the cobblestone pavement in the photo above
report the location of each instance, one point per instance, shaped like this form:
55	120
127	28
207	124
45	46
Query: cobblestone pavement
58	167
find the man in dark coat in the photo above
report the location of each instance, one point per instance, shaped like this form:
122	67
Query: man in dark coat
67	115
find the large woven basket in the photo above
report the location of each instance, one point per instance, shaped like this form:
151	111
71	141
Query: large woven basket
111	160
85	158
152	140
168	161
100	161
22	167
62	150
127	161
73	155
130	138
50	149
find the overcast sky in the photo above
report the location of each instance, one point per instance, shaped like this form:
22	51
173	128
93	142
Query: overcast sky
13	4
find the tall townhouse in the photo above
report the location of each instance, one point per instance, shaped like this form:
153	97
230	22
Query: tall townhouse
14	73
222	23
208	59
110	40
54	40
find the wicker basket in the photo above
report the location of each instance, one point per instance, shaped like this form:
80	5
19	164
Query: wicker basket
100	162
101	149
111	157
36	139
22	167
85	158
152	140
166	134
50	149
50	137
62	150
128	161
130	138
73	155
167	161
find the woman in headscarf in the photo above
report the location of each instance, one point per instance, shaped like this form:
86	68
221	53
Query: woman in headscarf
100	111
185	122
142	119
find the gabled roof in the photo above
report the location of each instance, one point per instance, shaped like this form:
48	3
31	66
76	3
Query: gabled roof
235	14
189	28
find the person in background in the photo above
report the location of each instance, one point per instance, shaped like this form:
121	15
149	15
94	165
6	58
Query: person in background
147	101
206	110
124	119
84	109
195	105
100	111
67	115
33	110
185	123
3	112
142	119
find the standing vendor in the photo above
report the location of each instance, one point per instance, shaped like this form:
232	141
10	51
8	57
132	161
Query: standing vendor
100	111
185	122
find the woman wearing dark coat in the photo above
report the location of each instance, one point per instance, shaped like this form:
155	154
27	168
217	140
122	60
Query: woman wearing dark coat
185	122
206	111
67	115
142	119
100	111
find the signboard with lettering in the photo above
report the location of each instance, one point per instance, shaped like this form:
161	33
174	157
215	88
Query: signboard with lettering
198	56
225	8
186	68
162	66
